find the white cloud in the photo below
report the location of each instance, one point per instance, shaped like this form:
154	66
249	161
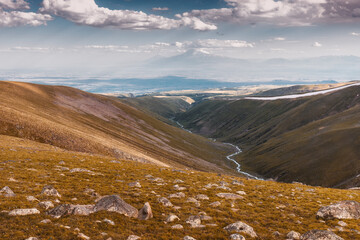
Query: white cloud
317	44
17	18
214	43
355	34
87	12
285	12
279	39
160	9
14	4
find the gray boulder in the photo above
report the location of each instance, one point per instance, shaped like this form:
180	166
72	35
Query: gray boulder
241	228
165	202
24	212
145	213
229	196
114	203
320	235
50	191
236	236
340	210
7	192
69	209
293	235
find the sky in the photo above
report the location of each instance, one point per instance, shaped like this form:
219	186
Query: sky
140	38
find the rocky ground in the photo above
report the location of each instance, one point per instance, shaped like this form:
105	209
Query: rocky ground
50	193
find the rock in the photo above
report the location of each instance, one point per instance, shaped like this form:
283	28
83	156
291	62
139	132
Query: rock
83	236
192	200
45	221
24	212
145	213
114	203
241	228
293	235
188	238
211	185
241	192
236	236
195	222
46	204
32	238
215	204
177	226
165	202
50	191
31	198
340	210
202	197
320	235
81	170
342	224
91	192
229	196
69	209
177	195
178	181
133	237
172	218
108	221
239	183
135	184
276	234
7	192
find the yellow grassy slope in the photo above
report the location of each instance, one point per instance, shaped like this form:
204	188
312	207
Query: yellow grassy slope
84	122
27	166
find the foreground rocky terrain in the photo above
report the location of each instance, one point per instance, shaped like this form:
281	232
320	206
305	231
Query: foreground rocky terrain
51	193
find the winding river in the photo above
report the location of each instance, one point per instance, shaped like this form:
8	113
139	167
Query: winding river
228	157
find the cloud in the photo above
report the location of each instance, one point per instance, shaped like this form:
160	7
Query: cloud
279	39
16	18
87	12
14	4
216	43
317	44
355	34
285	12
160	9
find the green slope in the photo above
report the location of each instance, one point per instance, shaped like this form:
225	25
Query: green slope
313	140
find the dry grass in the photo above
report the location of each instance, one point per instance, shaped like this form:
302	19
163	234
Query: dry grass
34	165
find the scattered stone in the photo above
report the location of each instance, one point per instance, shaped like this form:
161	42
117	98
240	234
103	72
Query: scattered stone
202	197
133	237
192	200
46	204
91	192
172	218
81	170
178	188
340	210
108	221
224	188
211	185
7	192
320	235
24	212
276	234
114	203
342	224
229	196
241	192
235	182
236	236
165	202
74	199
195	222
31	198
135	184
242	228
177	195
178	181
293	235
83	236
50	191
32	238
188	238
215	204
69	209
45	221
177	226
145	213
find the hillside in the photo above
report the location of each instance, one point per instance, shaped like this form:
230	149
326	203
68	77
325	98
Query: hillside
311	140
79	121
272	209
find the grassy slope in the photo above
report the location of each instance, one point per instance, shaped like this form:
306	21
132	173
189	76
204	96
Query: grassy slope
84	122
313	140
267	207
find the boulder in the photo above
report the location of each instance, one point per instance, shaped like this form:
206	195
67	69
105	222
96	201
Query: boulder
46	204
83	236
320	235
188	238
195	222
31	198
241	228
231	196
236	236
7	192
177	195
215	204
172	218
50	191
69	209
340	210
202	197
177	226
24	212
165	202
114	203
145	213
293	235
133	237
